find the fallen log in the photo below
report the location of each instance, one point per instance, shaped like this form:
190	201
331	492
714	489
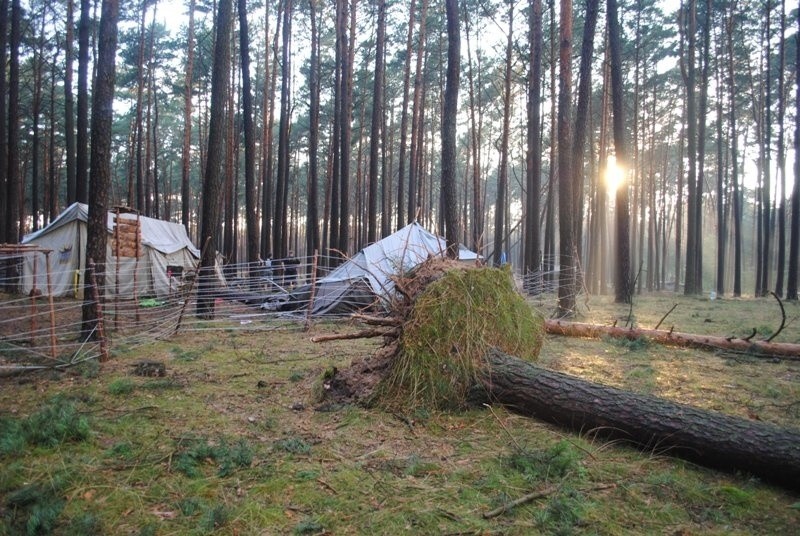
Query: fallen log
788	351
653	424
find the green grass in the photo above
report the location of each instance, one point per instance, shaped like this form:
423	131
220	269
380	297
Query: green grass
55	422
121	386
118	464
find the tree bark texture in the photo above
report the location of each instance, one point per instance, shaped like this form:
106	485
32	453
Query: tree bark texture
689	26
82	135
413	175
313	238
279	230
449	158
794	238
13	176
100	162
212	182
499	248
789	351
582	122
251	212
186	153
663	427
375	127
736	201
69	104
3	117
624	285
566	216
533	168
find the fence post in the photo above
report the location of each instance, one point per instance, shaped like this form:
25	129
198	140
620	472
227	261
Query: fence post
311	295
52	307
101	334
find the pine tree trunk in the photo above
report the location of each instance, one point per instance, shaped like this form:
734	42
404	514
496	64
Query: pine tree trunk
69	104
279	231
449	159
375	127
346	127
737	202
623	290
688	28
13	176
251	203
499	248
38	83
566	242
267	204
794	237
3	118
312	207
652	424
476	228
766	144
581	122
82	130
416	119
781	168
186	164
532	255
212	182
100	161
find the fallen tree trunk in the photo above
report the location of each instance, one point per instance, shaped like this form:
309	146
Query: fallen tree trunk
788	351
653	424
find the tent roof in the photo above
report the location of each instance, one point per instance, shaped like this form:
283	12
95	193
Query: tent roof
397	253
163	236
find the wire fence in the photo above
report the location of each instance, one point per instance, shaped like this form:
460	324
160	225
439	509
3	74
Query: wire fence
41	317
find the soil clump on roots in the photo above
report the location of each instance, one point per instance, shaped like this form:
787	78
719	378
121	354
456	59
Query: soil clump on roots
444	319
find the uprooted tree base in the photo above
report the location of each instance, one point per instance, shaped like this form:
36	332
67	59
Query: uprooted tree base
453	337
444	319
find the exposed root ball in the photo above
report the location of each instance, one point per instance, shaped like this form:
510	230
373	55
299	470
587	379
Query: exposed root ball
452	323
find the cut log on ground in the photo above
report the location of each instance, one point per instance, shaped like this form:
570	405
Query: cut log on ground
653	424
788	351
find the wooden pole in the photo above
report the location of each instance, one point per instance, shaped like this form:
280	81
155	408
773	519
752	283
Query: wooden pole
136	263
191	287
116	277
311	295
34	325
101	335
53	352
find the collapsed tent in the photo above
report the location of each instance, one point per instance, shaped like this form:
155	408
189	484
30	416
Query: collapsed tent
367	277
144	256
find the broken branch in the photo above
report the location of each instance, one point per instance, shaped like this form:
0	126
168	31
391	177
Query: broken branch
783	318
666	315
365	334
536	495
377	320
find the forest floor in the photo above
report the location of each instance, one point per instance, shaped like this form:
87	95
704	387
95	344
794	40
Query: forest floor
232	440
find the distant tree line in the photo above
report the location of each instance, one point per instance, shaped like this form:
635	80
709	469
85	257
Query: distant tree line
321	126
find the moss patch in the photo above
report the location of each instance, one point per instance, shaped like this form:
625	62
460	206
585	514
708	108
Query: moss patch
451	326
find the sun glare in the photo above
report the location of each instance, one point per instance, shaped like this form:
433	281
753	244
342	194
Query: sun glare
614	174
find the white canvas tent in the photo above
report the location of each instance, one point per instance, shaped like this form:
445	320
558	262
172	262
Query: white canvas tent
163	245
368	274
